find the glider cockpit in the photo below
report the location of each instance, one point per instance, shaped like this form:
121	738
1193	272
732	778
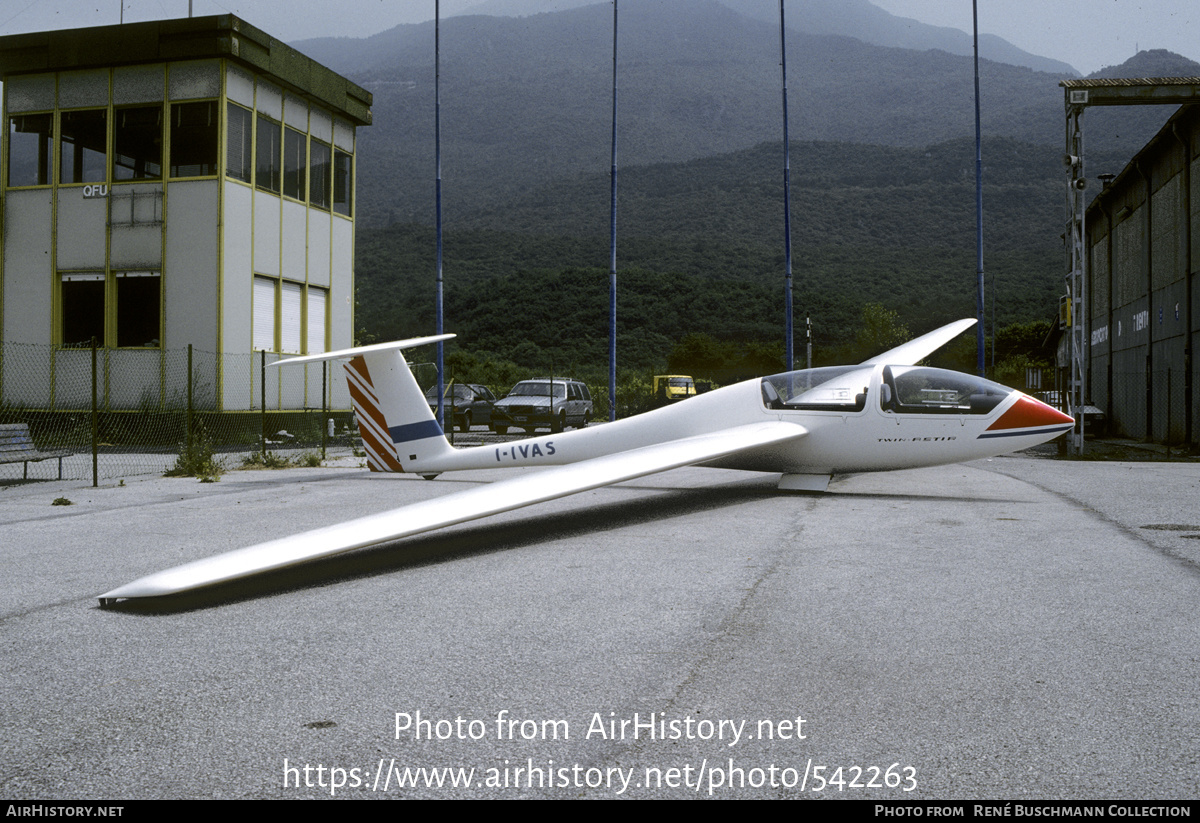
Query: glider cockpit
918	390
901	390
832	389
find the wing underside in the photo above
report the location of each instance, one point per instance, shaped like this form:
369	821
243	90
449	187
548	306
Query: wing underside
451	509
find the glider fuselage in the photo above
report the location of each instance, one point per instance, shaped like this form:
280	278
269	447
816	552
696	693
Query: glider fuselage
852	437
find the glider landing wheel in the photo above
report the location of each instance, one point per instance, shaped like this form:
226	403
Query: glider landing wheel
430	476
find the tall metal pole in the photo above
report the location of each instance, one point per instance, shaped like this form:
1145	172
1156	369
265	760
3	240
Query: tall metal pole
979	336
612	245
1076	321
437	140
787	201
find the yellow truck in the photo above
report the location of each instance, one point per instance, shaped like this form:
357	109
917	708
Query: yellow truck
671	387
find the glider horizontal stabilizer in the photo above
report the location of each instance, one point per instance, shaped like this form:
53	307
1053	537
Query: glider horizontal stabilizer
411	343
451	509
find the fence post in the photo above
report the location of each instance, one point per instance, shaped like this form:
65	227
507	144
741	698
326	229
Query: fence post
262	392
324	408
190	454
95	423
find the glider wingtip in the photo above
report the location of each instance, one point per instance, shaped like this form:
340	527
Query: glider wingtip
138	589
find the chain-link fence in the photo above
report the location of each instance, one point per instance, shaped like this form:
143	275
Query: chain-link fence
123	412
1148	406
1152	406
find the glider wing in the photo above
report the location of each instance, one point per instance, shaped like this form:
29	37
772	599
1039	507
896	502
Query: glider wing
461	507
914	351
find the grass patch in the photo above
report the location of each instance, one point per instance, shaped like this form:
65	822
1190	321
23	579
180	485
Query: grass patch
198	461
271	460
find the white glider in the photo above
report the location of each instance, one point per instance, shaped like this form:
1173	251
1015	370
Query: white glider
886	413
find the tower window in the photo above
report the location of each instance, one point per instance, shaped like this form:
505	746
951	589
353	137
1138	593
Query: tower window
30	149
138	308
239	164
83	147
82	302
194	139
343	182
320	174
294	165
84	298
137	143
267	155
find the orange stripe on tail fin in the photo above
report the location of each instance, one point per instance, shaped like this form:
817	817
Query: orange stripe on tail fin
372	425
398	429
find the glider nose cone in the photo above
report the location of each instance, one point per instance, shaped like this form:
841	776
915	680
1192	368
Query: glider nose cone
1054	416
1042	414
1028	413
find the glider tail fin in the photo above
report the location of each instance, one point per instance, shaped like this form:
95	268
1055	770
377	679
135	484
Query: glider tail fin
372	424
399	431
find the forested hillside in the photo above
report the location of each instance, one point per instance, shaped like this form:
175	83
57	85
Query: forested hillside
882	181
528	101
701	250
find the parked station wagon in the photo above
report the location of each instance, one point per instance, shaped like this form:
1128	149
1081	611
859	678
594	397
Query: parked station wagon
553	402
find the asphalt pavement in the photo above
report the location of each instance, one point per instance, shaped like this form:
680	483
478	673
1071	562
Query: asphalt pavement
1012	628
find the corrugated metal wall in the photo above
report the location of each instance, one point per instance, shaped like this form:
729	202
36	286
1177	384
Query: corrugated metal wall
1142	269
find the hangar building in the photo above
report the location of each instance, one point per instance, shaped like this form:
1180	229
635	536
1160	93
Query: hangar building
1143	307
172	183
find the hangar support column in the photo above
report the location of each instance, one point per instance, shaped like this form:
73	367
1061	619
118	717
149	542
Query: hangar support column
1076	394
1078	96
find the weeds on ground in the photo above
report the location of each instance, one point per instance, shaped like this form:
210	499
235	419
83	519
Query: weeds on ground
271	460
199	461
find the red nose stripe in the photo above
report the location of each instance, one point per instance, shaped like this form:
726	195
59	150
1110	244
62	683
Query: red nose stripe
1029	413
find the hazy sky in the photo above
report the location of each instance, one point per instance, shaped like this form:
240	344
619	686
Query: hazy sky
1088	34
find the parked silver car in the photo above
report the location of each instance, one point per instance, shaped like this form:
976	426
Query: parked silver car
471	403
554	402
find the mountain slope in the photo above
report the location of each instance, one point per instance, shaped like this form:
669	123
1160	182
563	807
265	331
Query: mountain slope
871	24
859	19
528	100
883	210
870	224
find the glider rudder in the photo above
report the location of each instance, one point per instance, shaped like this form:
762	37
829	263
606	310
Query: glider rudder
394	419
